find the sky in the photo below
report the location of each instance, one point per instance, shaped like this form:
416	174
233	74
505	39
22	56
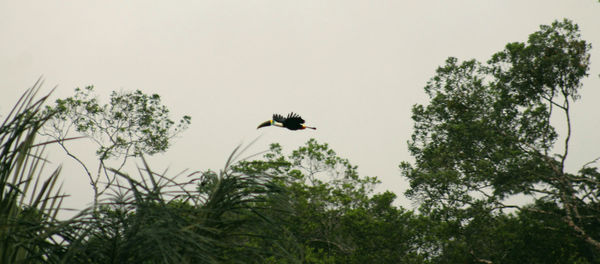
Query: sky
351	68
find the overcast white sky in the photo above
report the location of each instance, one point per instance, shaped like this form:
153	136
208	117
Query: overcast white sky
351	68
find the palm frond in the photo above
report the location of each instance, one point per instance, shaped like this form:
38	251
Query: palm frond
26	225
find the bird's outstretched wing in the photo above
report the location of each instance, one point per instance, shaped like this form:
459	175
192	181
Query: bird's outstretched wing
294	118
278	118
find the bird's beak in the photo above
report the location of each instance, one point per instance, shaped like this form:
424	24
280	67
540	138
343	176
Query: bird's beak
264	124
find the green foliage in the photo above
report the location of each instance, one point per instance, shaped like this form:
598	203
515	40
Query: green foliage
553	61
133	123
29	200
486	135
333	214
151	218
157	219
311	206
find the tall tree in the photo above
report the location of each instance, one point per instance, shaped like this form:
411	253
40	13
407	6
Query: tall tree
487	135
131	124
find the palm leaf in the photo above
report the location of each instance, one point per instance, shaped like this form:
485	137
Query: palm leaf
26	225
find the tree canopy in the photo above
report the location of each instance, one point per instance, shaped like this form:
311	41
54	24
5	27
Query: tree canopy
487	134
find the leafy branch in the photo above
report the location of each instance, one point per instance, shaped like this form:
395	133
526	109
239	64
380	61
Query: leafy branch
131	124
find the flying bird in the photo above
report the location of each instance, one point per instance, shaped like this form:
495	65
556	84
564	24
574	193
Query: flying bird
292	122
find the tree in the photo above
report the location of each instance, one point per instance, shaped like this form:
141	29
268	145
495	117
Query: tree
132	124
487	135
333	214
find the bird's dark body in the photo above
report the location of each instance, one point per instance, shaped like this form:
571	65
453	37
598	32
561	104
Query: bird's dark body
292	121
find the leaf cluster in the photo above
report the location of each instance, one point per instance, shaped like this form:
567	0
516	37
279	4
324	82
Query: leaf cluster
131	124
